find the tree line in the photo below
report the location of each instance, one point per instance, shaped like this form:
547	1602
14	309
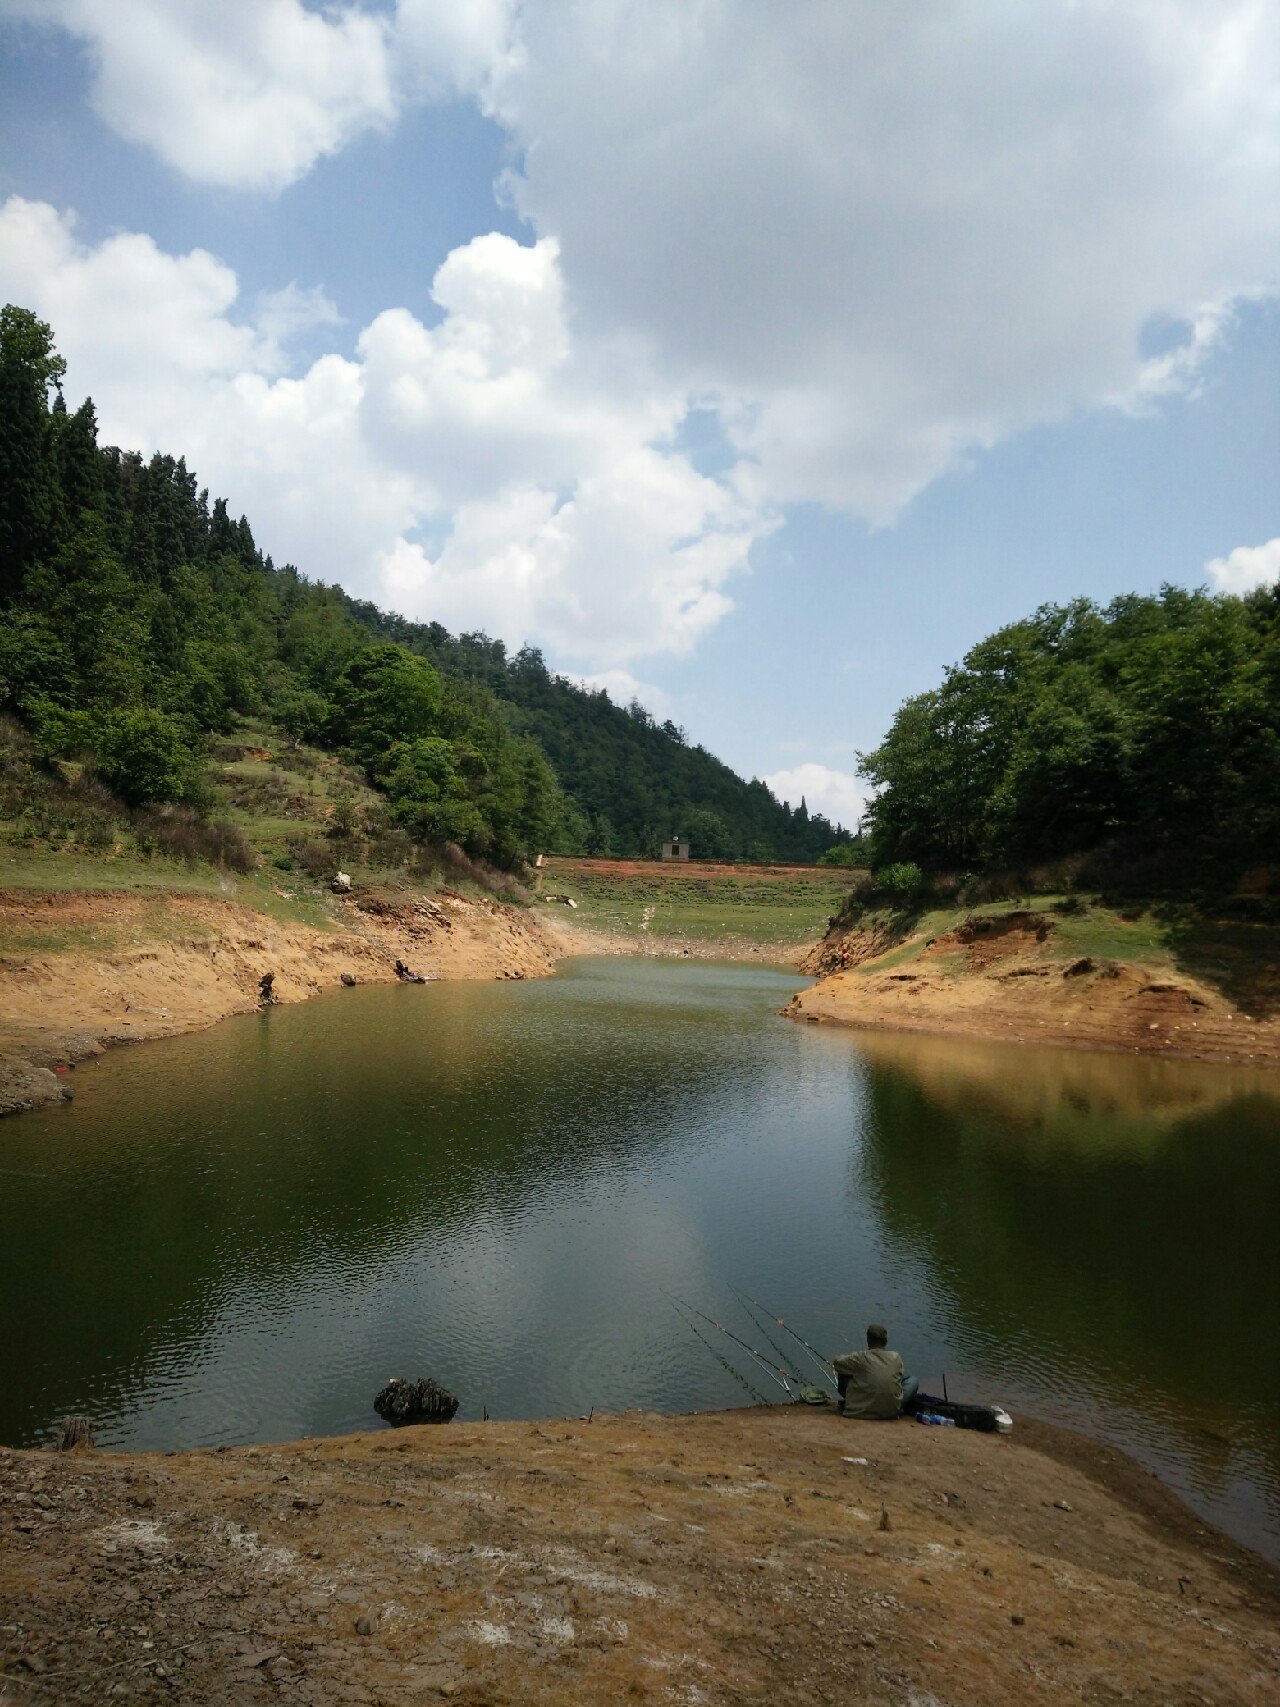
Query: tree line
1149	728
137	618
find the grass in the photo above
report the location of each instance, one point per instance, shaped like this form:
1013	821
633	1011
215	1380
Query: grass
127	873
748	907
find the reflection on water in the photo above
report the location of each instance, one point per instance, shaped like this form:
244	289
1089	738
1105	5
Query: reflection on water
241	1234
1099	1231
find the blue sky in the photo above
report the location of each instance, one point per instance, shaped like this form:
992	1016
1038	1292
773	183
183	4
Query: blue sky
760	370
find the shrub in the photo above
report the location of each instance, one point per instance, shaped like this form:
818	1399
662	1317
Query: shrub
902	881
144	756
178	833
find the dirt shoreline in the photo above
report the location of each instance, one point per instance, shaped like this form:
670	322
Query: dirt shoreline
723	1557
1002	980
144	966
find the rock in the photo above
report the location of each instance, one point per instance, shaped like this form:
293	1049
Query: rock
365	1625
73	1432
884	1518
341	884
349	978
252	1658
1016	1618
1061	1505
423	1401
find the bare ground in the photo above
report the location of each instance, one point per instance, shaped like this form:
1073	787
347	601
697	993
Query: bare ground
717	1558
1000	978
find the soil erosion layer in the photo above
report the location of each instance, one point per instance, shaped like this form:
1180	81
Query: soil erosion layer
749	1556
1027	975
87	969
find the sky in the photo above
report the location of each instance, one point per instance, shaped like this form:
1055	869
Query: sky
754	360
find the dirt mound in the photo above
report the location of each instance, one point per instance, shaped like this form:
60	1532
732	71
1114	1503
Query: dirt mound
990	937
845	947
731	1558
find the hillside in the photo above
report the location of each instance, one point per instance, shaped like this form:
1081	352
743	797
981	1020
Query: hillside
138	620
770	913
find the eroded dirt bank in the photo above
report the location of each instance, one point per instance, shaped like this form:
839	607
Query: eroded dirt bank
1008	978
720	1558
108	968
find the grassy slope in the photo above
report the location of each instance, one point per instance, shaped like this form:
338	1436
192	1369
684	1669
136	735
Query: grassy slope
1237	956
271	794
769	907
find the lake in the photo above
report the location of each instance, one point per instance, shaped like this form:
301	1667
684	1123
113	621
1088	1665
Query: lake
239	1235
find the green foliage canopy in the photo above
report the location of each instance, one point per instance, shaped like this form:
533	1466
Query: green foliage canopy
1153	723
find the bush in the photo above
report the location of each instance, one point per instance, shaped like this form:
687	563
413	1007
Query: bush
144	756
178	833
844	855
902	881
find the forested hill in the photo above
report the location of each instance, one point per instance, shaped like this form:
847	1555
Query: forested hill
1148	731
137	618
637	781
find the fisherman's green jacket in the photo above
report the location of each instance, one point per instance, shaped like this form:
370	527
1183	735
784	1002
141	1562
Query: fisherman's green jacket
874	1387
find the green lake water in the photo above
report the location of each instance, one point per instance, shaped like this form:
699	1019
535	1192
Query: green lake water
238	1235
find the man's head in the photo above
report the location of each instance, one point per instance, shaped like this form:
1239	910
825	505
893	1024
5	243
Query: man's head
877	1337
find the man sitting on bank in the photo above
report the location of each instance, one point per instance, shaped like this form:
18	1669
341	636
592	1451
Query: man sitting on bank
871	1382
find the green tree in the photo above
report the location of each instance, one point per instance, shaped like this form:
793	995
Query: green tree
301	713
144	756
29	494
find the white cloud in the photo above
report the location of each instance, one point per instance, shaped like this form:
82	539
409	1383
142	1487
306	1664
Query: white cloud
445	47
871	243
545	474
248	93
1245	568
283	315
882	235
836	794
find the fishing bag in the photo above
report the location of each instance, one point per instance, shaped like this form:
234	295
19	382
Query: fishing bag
981	1417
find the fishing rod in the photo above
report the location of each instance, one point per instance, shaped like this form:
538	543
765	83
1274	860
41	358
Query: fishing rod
774	1375
724	1363
786	1327
785	1363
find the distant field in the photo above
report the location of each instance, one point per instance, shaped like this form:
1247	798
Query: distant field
768	905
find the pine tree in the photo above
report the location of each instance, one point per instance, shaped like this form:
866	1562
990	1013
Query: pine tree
29	494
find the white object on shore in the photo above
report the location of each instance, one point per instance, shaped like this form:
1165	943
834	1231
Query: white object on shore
1004	1422
341	883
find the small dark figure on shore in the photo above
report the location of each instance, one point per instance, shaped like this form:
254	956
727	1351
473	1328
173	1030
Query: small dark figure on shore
405	976
872	1383
266	990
